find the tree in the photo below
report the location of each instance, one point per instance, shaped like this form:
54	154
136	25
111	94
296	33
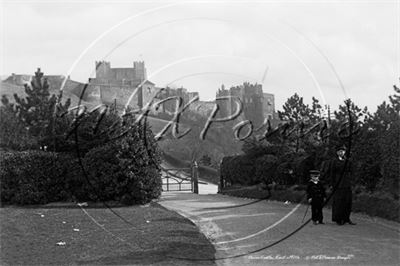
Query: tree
40	112
386	122
375	146
294	109
316	110
13	134
300	117
395	99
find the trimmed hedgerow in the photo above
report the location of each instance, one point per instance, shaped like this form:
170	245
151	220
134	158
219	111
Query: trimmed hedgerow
34	177
124	170
373	204
265	169
244	170
238	170
377	204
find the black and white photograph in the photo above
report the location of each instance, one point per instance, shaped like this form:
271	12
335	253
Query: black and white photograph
200	132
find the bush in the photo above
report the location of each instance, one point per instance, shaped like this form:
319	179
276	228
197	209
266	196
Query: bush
13	134
377	204
381	205
238	170
124	170
265	169
35	177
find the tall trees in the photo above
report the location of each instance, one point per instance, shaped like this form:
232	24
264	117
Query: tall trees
386	122
375	142
375	146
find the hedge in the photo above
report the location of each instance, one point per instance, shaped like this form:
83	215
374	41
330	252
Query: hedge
35	177
238	170
119	171
382	205
265	168
287	169
373	204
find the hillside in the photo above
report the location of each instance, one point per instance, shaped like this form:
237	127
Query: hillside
14	84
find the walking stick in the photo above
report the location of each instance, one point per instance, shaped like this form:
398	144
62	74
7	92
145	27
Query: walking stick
308	206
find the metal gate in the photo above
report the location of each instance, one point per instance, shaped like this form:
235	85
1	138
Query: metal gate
177	179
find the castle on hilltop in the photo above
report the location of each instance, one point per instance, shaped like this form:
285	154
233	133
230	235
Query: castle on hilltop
121	76
257	105
116	85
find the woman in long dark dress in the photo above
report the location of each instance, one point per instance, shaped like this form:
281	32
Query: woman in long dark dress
338	171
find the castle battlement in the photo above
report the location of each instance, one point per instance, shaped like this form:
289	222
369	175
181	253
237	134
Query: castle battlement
104	71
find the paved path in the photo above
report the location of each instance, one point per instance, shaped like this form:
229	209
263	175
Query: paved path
242	230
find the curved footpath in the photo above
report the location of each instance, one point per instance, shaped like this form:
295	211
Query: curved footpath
242	230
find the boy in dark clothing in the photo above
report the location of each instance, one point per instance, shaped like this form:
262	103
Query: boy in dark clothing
316	196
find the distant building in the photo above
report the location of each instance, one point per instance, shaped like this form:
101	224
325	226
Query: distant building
118	85
256	105
269	106
170	105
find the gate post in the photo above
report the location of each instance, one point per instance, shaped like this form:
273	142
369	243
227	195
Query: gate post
167	183
195	177
221	178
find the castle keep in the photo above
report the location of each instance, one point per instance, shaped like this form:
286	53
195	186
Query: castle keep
126	76
116	85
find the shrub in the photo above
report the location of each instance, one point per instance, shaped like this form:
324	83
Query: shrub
13	134
377	204
374	204
124	170
285	174
238	170
34	177
265	169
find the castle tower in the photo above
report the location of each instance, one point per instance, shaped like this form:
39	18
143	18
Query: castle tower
102	69
139	71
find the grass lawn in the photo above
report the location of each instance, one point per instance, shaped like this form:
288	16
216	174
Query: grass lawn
94	235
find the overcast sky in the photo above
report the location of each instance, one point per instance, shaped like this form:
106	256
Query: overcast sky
288	46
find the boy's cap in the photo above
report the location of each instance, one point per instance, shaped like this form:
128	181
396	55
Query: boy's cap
341	147
314	172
